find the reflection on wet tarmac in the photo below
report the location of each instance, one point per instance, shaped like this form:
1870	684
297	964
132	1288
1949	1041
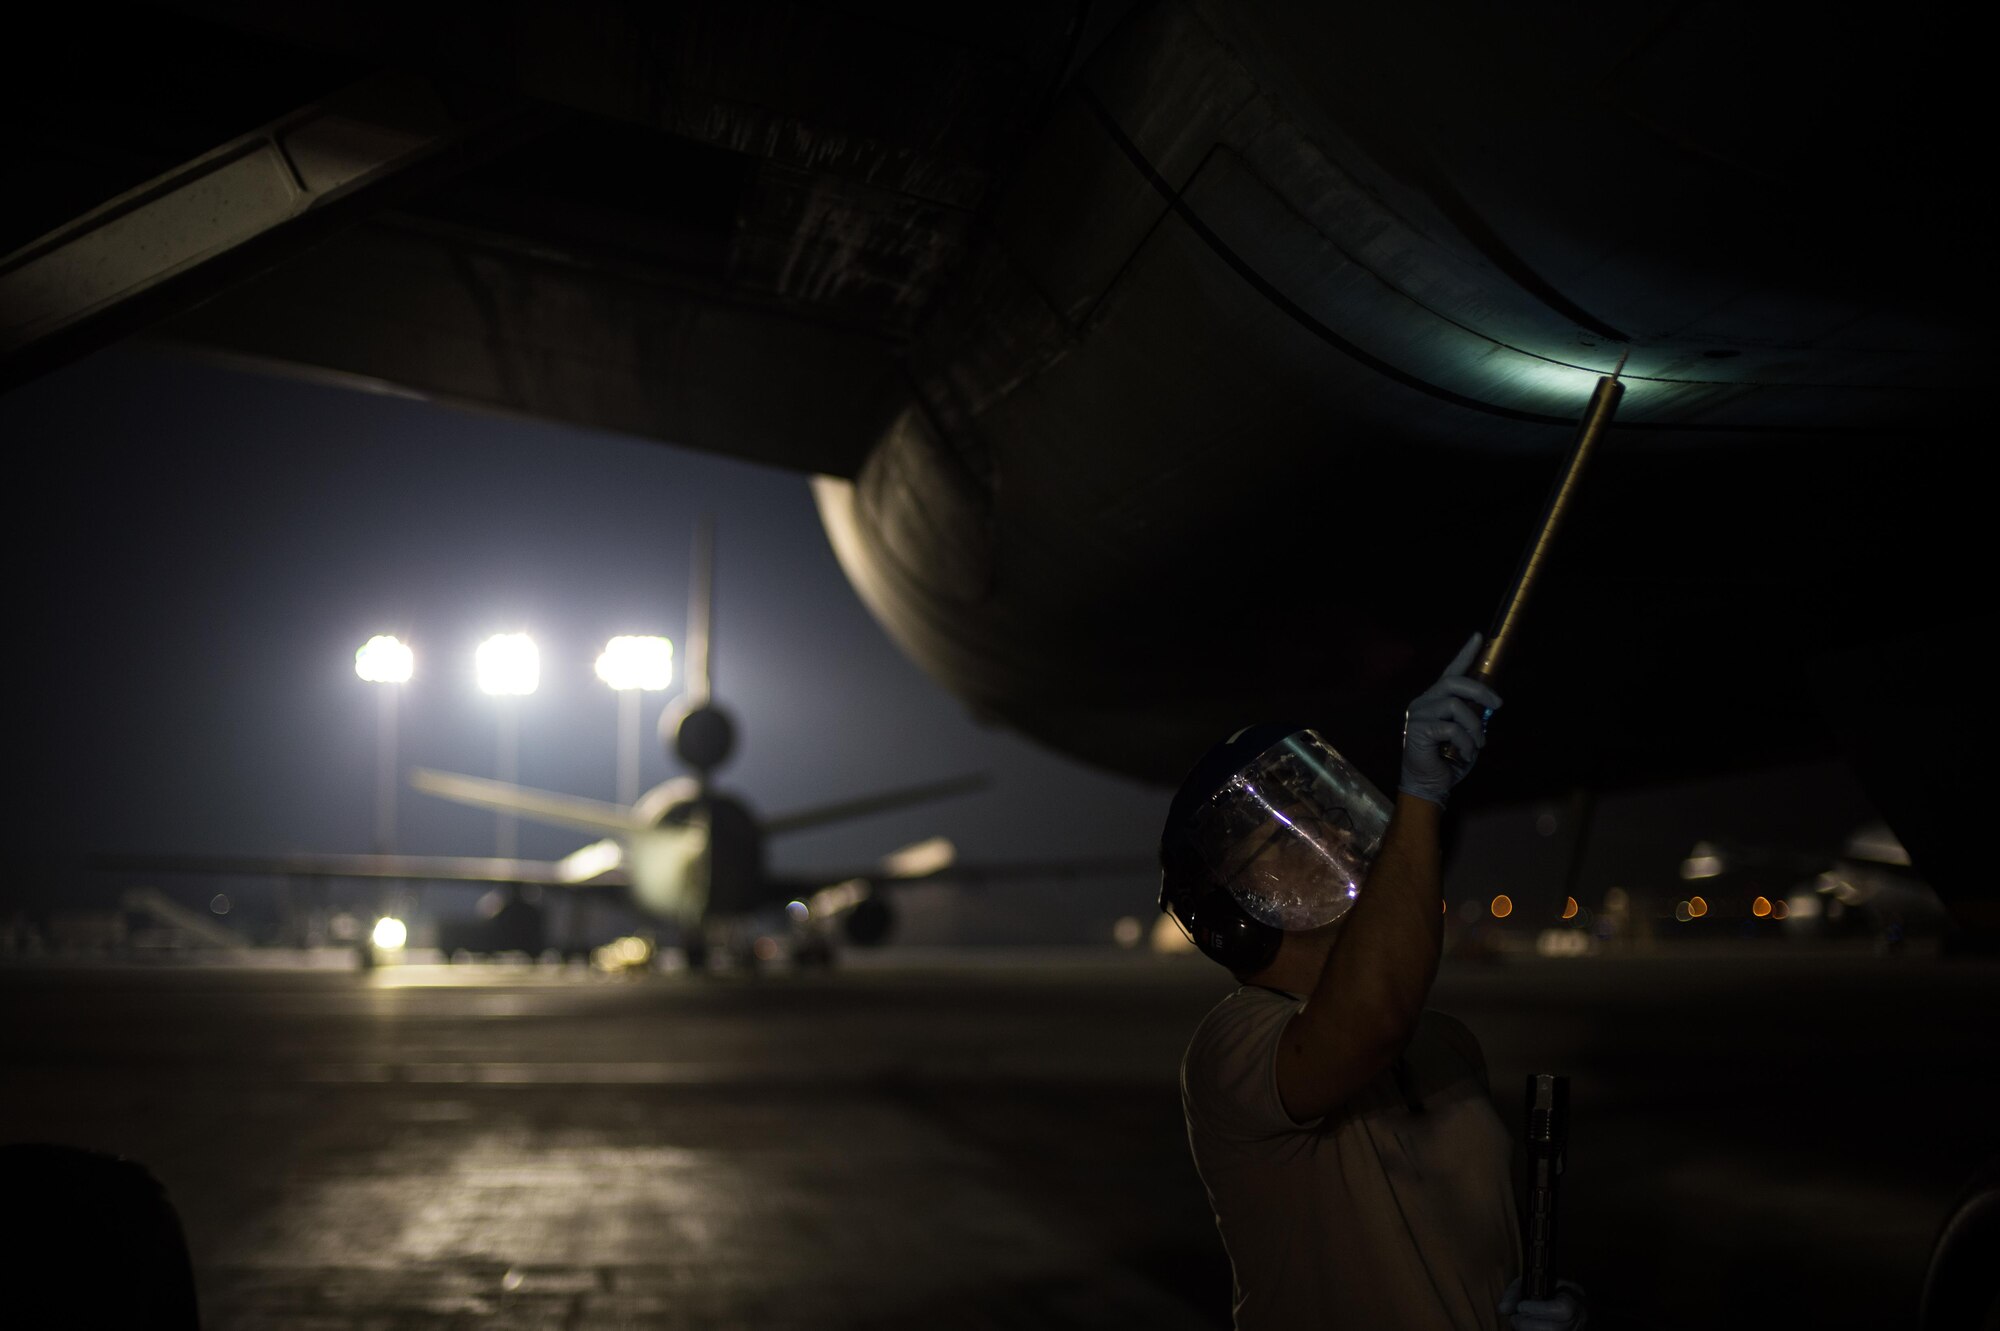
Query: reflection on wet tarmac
993	1145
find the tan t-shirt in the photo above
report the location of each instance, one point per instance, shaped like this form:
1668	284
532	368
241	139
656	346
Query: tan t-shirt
1373	1218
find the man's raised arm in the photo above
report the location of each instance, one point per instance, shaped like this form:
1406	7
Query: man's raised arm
1372	989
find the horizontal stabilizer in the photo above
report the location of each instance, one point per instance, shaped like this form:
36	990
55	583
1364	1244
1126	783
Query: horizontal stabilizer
868	805
542	806
412	868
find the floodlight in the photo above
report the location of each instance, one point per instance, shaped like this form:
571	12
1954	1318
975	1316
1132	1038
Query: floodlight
384	659
509	665
632	662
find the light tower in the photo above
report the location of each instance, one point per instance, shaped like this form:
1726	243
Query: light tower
632	665
386	662
509	667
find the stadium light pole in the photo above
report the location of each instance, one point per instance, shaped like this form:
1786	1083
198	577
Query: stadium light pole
386	662
631	665
509	668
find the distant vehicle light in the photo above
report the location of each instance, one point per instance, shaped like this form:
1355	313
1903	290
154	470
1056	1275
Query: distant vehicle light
1502	906
632	661
1779	910
1761	907
799	911
390	934
1697	907
508	665
384	659
766	948
219	903
1569	908
1804	905
1128	931
1681	912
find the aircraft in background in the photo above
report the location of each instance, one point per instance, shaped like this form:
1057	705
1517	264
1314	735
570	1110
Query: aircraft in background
1868	886
687	853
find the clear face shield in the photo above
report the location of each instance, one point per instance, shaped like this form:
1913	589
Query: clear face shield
1292	833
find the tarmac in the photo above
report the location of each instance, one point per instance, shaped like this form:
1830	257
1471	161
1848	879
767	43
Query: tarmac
966	1140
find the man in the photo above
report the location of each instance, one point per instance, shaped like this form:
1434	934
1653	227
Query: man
1357	1169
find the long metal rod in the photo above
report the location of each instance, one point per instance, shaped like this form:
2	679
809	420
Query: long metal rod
1597	419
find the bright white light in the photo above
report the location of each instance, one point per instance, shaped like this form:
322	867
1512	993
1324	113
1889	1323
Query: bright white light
384	659
390	933
509	665
629	662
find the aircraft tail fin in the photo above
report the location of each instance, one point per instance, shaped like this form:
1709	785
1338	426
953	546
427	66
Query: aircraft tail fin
701	610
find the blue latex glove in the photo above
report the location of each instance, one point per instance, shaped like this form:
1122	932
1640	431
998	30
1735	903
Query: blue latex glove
1563	1311
1448	711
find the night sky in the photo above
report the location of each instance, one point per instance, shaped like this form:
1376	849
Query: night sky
210	545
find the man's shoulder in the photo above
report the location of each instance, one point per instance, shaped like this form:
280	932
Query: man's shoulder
1239	1018
1247	1005
1229	1085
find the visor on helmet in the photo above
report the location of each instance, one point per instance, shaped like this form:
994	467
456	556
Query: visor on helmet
1291	833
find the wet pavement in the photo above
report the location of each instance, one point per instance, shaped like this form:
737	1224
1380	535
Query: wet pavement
915	1143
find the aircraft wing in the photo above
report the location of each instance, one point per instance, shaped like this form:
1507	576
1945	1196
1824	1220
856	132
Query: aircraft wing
543	806
983	875
565	872
1021	871
881	802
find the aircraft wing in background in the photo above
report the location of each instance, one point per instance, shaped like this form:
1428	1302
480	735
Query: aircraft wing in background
593	866
859	900
886	801
906	867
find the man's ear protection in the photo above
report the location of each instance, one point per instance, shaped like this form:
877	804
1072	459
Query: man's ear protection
1210	915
